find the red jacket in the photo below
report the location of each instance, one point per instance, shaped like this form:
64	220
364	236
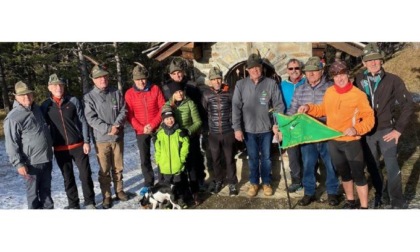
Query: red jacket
144	107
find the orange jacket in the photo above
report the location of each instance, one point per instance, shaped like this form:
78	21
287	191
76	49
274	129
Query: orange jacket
343	111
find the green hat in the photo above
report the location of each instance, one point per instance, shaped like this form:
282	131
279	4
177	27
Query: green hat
215	73
253	61
177	64
372	52
98	71
54	80
313	64
22	88
140	72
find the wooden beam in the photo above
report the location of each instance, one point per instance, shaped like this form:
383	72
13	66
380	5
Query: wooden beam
347	48
170	51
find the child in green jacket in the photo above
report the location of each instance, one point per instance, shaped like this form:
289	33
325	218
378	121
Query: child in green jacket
171	151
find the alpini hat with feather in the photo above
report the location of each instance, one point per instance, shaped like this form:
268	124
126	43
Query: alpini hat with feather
98	70
215	73
54	80
140	72
22	88
177	64
372	52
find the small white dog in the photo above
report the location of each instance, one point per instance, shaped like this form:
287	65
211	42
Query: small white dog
157	195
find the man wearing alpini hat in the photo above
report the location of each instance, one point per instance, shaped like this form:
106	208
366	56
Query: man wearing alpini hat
217	101
105	112
253	97
144	104
385	91
66	119
29	146
312	92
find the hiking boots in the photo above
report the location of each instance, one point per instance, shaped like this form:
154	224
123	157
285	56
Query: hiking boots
122	196
306	200
350	204
90	206
72	207
218	185
333	200
107	203
232	190
268	191
295	187
252	190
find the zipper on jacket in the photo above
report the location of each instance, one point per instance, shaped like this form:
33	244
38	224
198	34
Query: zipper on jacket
60	111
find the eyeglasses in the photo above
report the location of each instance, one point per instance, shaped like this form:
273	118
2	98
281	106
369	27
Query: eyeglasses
293	68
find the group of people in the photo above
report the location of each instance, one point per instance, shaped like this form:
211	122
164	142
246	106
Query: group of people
172	118
364	111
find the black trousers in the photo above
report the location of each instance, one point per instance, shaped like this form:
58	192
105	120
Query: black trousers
195	164
223	144
65	163
295	164
143	142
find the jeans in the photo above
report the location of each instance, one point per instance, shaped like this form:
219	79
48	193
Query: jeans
295	163
258	147
310	154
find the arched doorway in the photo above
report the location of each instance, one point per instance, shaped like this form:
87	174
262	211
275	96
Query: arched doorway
238	72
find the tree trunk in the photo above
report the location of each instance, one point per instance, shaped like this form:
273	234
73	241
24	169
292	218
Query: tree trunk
117	61
5	93
83	69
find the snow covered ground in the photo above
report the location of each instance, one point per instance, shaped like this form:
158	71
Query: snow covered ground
12	189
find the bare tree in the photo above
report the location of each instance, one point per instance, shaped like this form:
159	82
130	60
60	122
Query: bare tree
5	93
118	63
83	69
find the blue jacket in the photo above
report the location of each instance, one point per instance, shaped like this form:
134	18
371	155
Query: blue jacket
288	89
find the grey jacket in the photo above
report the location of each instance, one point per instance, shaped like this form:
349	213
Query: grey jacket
28	140
305	94
104	109
251	104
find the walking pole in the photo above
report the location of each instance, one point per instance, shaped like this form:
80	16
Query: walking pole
284	175
282	168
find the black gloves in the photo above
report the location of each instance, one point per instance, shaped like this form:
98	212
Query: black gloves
184	133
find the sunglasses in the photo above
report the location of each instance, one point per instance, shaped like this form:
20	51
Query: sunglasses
293	68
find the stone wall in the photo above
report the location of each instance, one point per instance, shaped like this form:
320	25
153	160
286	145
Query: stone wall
228	54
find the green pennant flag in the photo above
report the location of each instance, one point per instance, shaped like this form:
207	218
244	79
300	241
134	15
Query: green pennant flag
301	128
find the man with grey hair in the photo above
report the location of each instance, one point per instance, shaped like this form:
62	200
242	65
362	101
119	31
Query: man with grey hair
252	100
105	112
312	92
29	146
288	87
385	92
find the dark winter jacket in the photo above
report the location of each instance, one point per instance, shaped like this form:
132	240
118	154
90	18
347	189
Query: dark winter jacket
218	105
186	115
27	138
67	121
104	109
390	93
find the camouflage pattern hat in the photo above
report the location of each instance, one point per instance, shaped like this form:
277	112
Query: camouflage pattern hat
313	64
22	88
140	72
98	71
338	67
54	80
176	65
253	61
215	73
372	52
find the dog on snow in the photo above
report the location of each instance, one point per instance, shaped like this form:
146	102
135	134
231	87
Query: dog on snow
157	195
